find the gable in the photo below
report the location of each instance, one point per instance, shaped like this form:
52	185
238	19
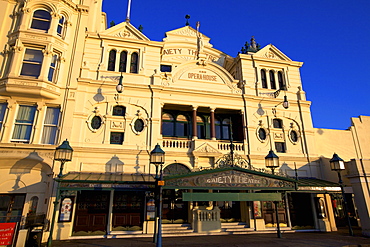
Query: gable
125	30
271	52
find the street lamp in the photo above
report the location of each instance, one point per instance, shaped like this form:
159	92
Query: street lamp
272	162
157	158
63	153
337	164
119	87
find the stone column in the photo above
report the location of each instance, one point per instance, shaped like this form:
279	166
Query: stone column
213	128
195	129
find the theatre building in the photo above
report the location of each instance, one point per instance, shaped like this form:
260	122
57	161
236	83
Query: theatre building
114	94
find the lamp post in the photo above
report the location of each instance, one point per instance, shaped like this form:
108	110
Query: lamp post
157	158
63	153
272	162
337	164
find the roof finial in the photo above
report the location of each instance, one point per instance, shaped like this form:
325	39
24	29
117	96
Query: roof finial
187	17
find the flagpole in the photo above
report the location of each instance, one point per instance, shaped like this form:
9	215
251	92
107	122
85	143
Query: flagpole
128	11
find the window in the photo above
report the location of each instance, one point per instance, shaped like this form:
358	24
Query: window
263	79
32	62
272	79
222	129
181	126
53	67
24	123
293	136
201	128
119	111
50	126
112	60
61	27
2	113
33	205
281	81
262	134
116	138
277	123
166	68
134	62
168	124
175	127
139	125
123	61
280	147
41	20
96	122
11	207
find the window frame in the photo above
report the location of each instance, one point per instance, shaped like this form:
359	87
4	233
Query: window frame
54	126
221	126
174	124
112	57
30	65
263	78
134	63
280	147
24	123
272	79
54	67
34	20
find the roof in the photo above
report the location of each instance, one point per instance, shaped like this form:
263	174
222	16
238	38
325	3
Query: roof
116	178
317	184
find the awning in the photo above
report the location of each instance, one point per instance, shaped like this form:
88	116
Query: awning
314	184
106	180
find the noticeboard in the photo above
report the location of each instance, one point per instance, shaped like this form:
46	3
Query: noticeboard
7	231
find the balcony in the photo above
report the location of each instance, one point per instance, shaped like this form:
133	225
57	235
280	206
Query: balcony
27	87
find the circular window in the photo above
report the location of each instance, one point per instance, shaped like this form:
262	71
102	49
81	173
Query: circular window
293	136
96	122
262	134
139	125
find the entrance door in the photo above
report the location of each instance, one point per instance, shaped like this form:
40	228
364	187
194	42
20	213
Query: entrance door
269	213
11	207
128	210
230	211
300	208
91	211
174	209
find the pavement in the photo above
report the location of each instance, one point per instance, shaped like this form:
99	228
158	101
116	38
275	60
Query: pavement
340	238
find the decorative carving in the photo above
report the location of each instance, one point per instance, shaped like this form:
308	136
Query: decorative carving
186	32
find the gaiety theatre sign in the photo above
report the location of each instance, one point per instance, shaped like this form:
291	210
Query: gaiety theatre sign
230	179
181	52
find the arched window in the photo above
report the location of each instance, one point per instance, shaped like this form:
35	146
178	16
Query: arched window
33	205
263	78
201	128
134	62
272	79
182	126
123	61
222	129
168	125
281	81
41	20
61	26
175	169
112	60
277	123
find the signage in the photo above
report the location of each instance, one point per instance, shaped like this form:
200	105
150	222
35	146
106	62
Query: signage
200	75
230	179
95	185
186	52
66	210
7	233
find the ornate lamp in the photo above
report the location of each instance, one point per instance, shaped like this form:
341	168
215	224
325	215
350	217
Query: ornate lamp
272	161
63	153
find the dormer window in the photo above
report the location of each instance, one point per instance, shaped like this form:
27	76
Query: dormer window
41	20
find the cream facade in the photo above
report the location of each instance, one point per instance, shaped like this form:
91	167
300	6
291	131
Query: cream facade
59	71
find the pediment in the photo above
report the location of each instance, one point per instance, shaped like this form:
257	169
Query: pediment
231	178
206	148
125	30
271	52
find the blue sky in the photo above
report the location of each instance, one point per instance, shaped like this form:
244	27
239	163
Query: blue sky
331	37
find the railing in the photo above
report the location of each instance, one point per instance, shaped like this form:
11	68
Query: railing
206	220
226	146
176	143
